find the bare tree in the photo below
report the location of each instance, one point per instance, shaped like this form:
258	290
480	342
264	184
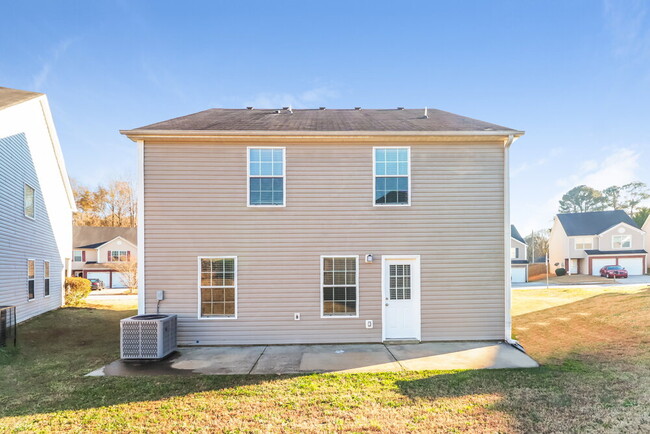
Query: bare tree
128	273
114	205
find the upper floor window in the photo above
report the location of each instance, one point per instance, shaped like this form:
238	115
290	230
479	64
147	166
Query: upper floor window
514	252
584	243
119	256
622	241
392	171
266	177
78	256
46	278
30	278
29	201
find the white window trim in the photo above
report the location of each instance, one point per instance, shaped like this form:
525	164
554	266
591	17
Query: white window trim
575	243
216	318
81	256
248	177
126	255
24	213
320	290
49	265
621	247
28	279
374	175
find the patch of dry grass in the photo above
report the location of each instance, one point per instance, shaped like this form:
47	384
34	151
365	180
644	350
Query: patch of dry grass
595	377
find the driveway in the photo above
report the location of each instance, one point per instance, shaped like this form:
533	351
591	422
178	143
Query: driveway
583	281
349	358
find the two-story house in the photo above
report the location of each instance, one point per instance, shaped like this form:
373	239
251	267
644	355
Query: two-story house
97	251
325	226
36	205
518	256
583	243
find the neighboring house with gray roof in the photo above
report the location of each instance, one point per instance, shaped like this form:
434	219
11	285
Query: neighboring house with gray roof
518	256
36	205
98	249
583	243
325	226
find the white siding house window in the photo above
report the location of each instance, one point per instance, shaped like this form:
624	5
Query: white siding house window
46	278
392	173
29	201
584	243
30	279
622	241
119	256
77	256
218	287
339	286
266	179
514	252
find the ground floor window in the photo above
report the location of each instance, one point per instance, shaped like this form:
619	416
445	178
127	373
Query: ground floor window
218	287
339	288
30	278
46	278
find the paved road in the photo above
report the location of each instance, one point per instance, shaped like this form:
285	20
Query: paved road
630	281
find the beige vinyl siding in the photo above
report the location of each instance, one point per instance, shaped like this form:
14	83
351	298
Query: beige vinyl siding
195	205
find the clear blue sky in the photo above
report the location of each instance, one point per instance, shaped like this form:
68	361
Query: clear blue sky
575	75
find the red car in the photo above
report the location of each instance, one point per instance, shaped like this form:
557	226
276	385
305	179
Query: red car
613	271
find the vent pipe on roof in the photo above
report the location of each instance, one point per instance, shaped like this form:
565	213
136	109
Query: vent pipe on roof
277	112
249	108
426	116
290	109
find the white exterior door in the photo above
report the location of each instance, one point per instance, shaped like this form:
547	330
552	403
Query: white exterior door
518	274
597	264
573	266
401	290
634	266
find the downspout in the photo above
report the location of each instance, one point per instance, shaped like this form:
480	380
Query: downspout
140	233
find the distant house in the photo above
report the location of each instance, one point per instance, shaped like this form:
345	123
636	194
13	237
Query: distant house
518	256
646	229
98	249
583	243
325	226
36	205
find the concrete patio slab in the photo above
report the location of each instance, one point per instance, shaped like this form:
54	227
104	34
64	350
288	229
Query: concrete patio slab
460	355
293	359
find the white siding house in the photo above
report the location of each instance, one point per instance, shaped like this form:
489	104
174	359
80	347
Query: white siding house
36	205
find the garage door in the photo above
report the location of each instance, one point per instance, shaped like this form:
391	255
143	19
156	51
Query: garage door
104	276
118	280
597	264
634	266
518	274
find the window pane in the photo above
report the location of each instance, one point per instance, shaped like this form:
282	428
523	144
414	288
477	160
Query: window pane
266	155
267	169
30	289
30	269
402	155
229	308
277	169
380	168
29	201
255	168
328	264
391	154
229	294
277	155
255	184
339	290
403	169
46	269
205	279
380	155
391	168
254	154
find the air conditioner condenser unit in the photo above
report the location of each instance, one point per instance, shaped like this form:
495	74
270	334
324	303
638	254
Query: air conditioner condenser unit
147	337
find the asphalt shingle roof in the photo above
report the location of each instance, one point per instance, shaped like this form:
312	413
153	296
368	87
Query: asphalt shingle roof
9	97
90	237
325	120
593	223
514	233
614	252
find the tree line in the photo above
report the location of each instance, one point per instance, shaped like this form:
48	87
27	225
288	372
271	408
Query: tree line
628	197
113	204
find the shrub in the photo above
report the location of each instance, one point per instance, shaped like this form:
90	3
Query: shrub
560	272
76	289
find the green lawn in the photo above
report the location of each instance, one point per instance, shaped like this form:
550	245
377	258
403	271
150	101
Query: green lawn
595	347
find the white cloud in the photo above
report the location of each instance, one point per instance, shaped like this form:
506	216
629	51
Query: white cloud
40	78
611	169
306	99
